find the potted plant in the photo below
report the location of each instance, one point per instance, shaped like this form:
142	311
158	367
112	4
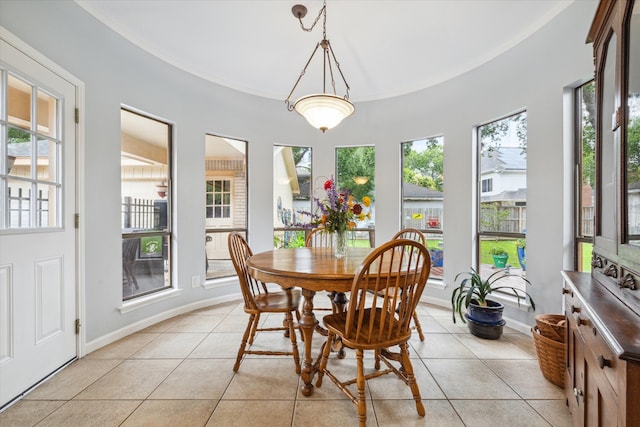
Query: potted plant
484	315
500	257
521	244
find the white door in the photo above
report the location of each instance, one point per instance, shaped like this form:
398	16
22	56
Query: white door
37	235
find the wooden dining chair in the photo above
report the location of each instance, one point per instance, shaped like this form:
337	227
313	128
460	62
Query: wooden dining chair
378	323
418	236
257	300
320	238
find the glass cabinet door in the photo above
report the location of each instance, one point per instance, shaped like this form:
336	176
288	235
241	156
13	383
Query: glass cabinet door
632	140
606	169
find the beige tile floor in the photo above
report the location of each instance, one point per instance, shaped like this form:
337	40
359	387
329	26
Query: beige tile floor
179	373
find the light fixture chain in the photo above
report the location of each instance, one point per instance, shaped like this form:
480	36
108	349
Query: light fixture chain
323	111
322	11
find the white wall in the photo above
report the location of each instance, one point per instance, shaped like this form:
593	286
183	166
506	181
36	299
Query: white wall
532	75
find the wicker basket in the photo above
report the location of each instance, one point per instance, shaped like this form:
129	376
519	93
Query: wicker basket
552	326
550	357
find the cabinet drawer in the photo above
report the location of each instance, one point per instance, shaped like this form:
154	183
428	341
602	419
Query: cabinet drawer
603	358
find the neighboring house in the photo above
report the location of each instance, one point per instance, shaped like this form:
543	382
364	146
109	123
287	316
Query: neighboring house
422	207
504	182
285	186
504	176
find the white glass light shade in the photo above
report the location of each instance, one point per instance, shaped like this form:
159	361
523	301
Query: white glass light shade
324	111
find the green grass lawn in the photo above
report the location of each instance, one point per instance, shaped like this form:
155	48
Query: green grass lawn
508	245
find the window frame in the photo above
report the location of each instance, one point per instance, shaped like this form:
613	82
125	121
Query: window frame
430	229
486	236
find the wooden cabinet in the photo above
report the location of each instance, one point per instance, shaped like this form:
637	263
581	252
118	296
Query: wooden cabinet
602	376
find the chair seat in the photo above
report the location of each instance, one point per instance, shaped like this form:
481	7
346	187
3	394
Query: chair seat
336	323
278	302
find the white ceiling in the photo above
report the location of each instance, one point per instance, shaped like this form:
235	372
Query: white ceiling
385	47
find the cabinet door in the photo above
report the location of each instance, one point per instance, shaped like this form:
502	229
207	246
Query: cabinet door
576	374
602	402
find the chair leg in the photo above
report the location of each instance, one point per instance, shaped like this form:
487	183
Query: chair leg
243	344
360	381
254	329
294	343
326	349
418	326
411	379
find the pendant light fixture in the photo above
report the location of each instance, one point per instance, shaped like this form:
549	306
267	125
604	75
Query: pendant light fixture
322	110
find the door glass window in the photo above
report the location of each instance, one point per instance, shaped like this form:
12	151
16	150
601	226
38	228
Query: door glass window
30	155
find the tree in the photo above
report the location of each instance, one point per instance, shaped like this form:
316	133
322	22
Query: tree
353	162
588	133
633	151
492	134
424	168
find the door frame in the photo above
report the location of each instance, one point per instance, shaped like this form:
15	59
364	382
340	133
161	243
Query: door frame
80	306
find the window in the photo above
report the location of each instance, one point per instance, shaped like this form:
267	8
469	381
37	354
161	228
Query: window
292	192
225	201
502	202
30	155
487	185
145	173
423	196
218	199
355	172
585	173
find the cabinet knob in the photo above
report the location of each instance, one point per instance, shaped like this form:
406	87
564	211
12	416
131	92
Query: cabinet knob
602	362
567	291
577	392
575	309
582	321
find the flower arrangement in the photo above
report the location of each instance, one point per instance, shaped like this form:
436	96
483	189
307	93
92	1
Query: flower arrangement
339	210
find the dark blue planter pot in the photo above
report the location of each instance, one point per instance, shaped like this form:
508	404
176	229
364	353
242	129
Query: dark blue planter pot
485	330
490	315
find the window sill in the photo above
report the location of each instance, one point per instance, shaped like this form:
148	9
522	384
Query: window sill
510	301
222	281
148	300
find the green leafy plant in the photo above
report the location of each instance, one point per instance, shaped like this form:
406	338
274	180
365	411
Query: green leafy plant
498	251
471	286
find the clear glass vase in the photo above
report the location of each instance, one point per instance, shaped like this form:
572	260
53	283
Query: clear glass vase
340	244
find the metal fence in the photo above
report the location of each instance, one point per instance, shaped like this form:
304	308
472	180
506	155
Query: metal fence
140	214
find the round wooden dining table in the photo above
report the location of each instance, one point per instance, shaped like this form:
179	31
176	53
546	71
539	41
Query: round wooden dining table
312	269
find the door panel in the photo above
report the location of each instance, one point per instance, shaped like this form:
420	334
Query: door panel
38	263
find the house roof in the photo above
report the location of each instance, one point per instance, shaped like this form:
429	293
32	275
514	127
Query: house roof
519	195
504	159
413	191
